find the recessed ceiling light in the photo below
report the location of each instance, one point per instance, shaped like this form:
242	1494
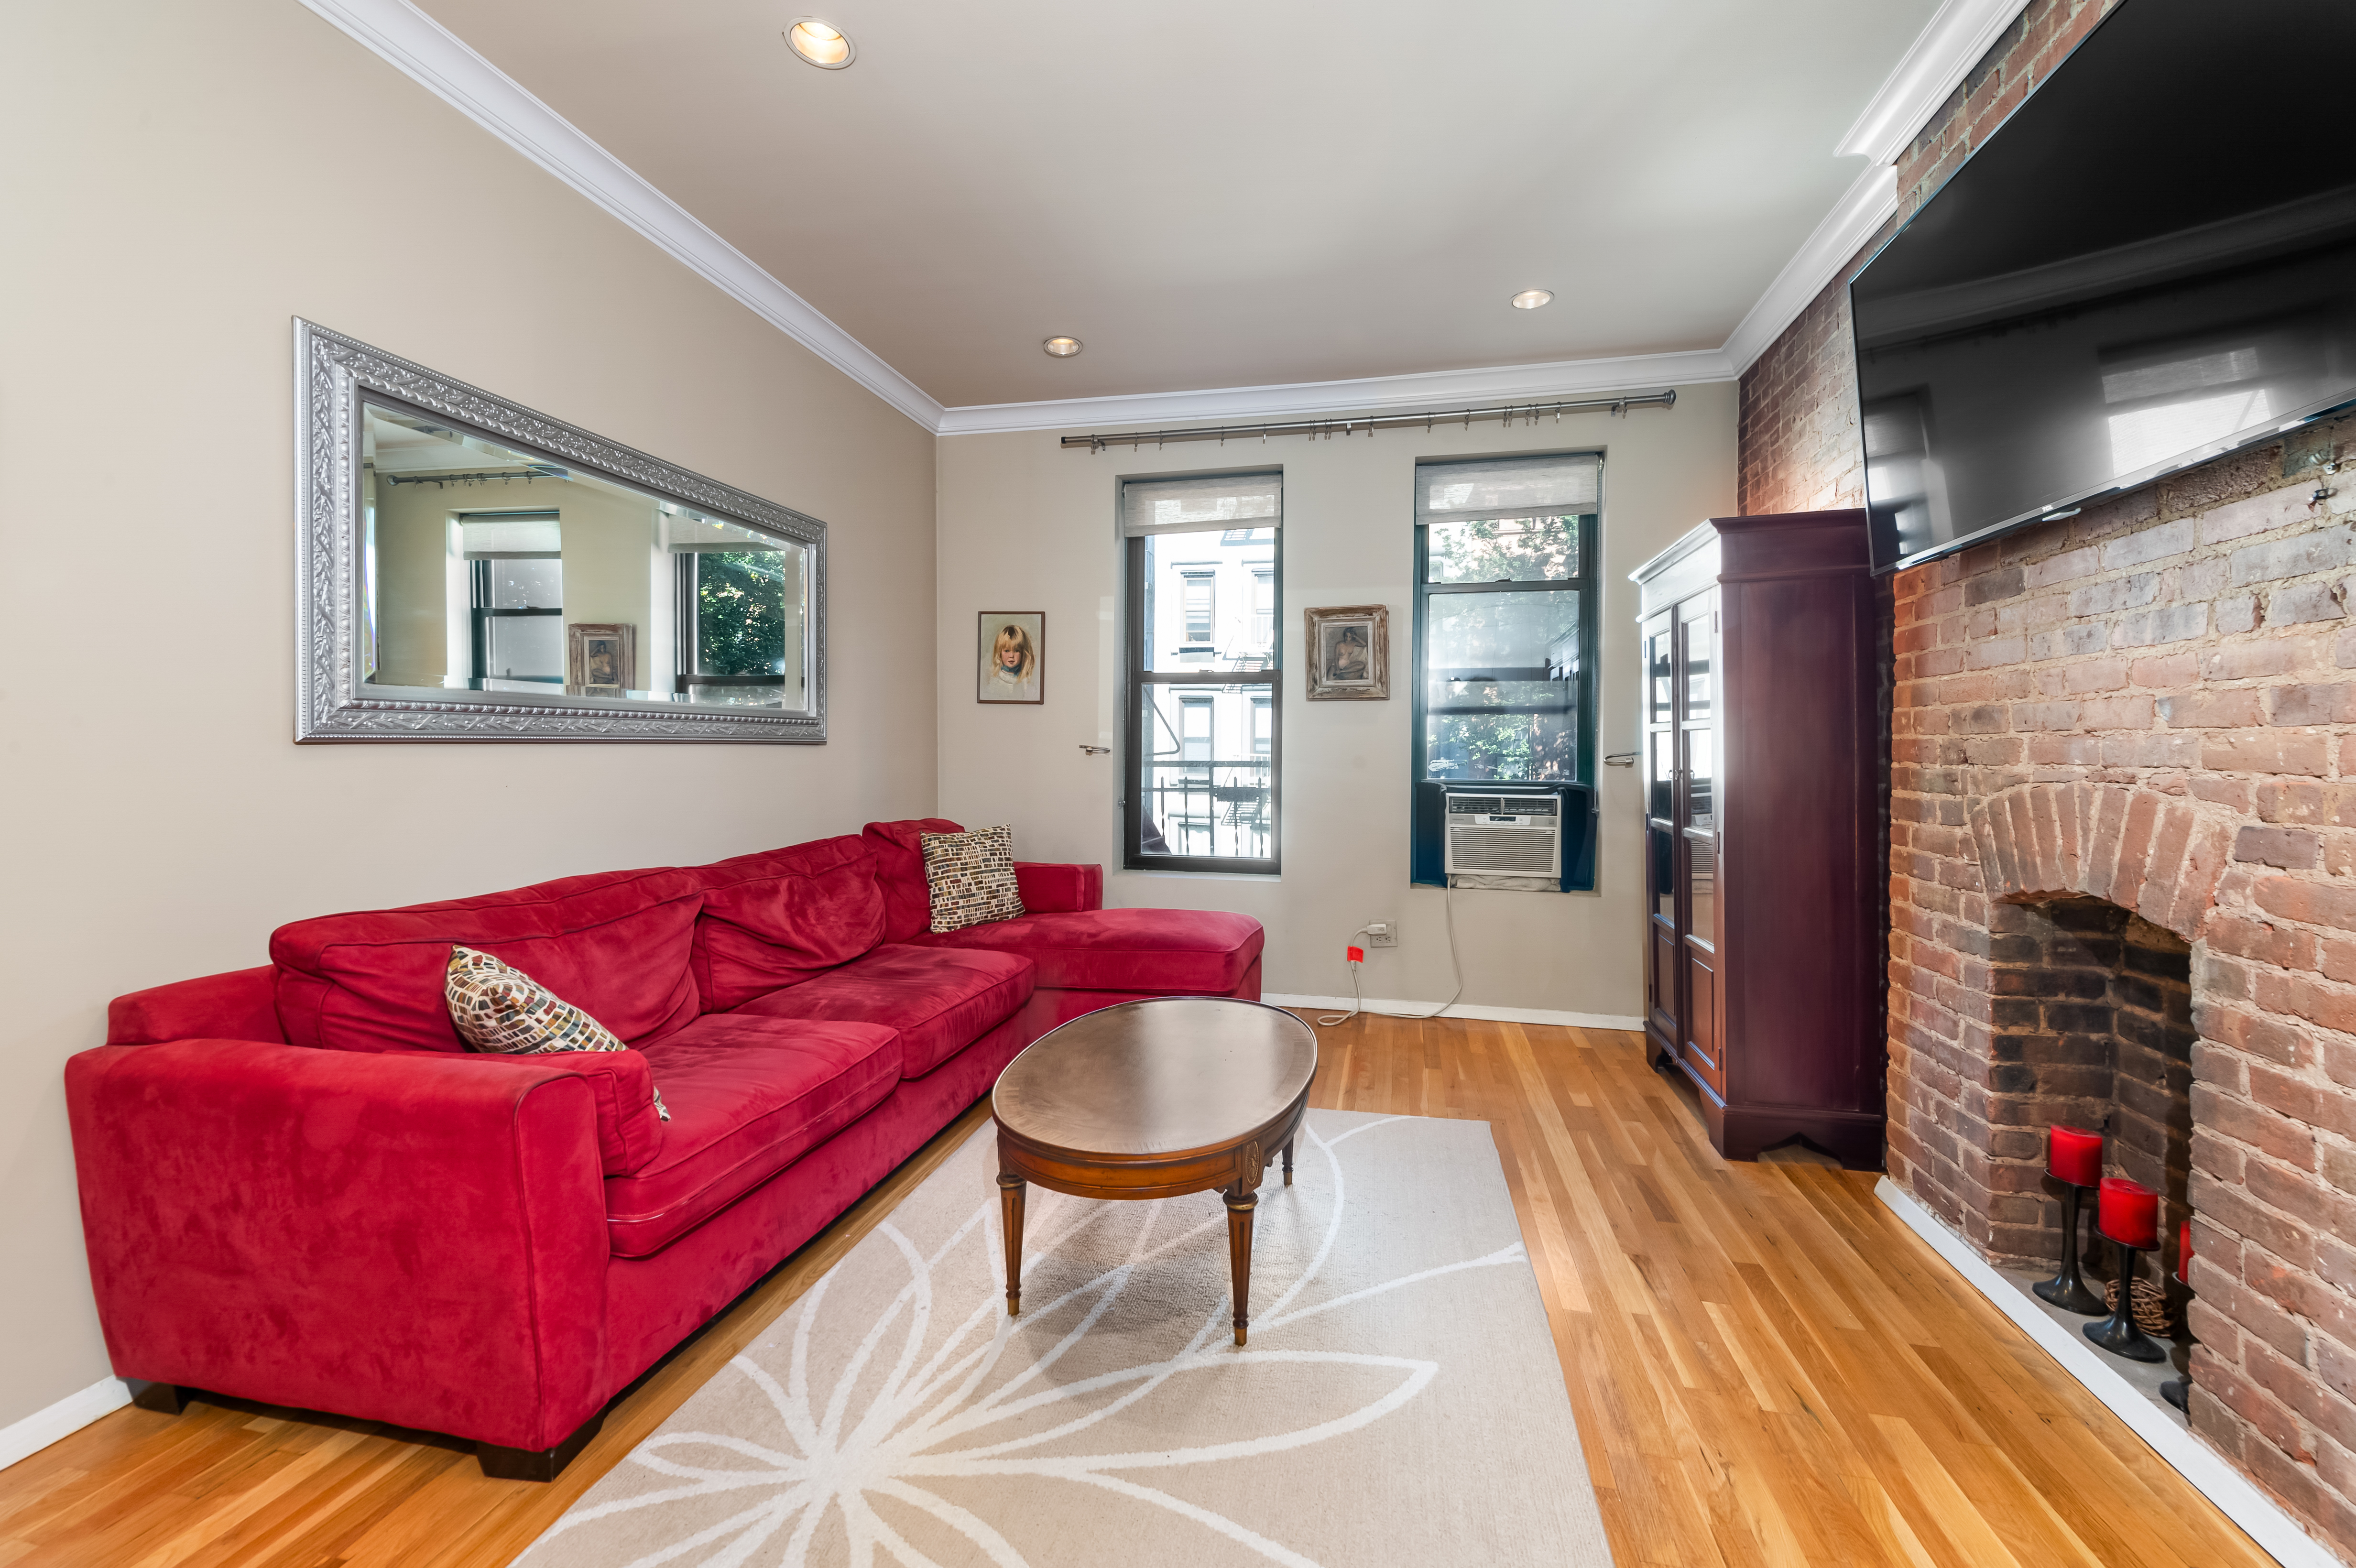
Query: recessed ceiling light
1061	347
820	43
1530	299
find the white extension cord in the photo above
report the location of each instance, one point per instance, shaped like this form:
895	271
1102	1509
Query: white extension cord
1357	1002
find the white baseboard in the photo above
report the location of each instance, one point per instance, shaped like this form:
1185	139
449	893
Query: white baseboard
1461	1011
23	1438
2277	1534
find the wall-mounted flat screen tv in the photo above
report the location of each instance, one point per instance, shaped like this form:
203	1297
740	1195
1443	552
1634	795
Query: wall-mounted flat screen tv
2152	262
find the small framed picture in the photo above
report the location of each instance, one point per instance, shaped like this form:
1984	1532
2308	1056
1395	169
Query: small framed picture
1350	653
1011	663
601	660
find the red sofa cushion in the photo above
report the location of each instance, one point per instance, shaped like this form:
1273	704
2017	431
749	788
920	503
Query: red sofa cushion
1049	885
778	917
899	850
615	945
1162	951
941	1000
748	1096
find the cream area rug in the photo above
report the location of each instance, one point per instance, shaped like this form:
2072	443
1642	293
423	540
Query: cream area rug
1399	1401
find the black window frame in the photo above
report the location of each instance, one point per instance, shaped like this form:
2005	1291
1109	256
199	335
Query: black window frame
479	592
1576	796
1134	856
685	616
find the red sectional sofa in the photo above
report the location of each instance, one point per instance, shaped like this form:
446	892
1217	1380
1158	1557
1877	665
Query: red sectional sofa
298	1188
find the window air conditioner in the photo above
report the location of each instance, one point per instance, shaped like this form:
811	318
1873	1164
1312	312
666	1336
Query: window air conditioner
1503	834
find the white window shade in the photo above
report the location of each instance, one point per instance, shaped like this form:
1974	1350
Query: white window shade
1509	487
1185	506
489	536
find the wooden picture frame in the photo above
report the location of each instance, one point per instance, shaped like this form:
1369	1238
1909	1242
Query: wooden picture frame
1349	653
1003	634
601	658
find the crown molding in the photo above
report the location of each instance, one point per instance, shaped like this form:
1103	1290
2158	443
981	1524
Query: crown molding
1867	203
441	62
1958	34
428	53
1493	383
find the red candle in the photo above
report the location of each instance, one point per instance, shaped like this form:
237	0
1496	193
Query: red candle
2184	1252
2073	1155
2129	1213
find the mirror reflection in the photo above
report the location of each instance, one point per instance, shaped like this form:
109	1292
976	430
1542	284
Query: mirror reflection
487	568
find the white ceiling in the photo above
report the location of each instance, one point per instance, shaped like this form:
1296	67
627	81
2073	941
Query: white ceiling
1227	196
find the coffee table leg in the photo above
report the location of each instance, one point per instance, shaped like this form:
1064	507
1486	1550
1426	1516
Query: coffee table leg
1288	1162
1010	1206
1240	1237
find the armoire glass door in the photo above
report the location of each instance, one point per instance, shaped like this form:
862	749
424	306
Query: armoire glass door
1697	833
1660	764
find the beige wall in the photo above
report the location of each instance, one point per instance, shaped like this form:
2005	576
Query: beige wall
1027	525
183	180
413	585
614	571
612	557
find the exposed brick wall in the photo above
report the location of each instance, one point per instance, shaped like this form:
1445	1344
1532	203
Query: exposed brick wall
2152	704
1799	444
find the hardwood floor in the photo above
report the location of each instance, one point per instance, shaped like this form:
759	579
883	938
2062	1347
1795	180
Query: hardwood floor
1767	1368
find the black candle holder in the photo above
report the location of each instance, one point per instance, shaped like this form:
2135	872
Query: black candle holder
2065	1290
2178	1390
2118	1333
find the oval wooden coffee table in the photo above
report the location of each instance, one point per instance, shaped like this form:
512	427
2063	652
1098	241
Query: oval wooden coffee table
1155	1099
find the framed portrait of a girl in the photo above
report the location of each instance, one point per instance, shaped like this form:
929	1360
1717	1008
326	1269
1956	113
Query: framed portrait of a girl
1012	654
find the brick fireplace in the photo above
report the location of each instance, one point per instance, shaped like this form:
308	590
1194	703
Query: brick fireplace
2122	860
2121	742
2090	1024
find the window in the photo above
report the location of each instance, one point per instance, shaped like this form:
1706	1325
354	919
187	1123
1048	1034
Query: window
1202	722
514	569
1195	731
1504	637
1198	589
739	630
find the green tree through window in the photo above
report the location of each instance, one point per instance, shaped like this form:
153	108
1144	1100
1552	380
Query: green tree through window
741	612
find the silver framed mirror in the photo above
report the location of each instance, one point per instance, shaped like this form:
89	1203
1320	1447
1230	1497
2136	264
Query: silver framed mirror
468	569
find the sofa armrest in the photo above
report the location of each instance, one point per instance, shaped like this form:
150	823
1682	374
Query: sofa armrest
1048	888
240	1005
405	1238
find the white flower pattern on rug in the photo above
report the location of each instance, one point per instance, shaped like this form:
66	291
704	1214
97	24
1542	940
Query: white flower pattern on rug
948	1415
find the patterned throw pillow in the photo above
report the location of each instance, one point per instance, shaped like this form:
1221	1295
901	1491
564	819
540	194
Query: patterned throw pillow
972	877
499	1008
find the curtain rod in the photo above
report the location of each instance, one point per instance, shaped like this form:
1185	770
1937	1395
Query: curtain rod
529	473
1428	418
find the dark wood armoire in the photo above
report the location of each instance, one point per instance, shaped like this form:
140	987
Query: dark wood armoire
1764	939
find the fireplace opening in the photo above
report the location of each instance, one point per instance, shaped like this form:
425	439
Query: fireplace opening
2091	1026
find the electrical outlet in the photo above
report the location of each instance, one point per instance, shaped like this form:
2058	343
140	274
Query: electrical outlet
1381	933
